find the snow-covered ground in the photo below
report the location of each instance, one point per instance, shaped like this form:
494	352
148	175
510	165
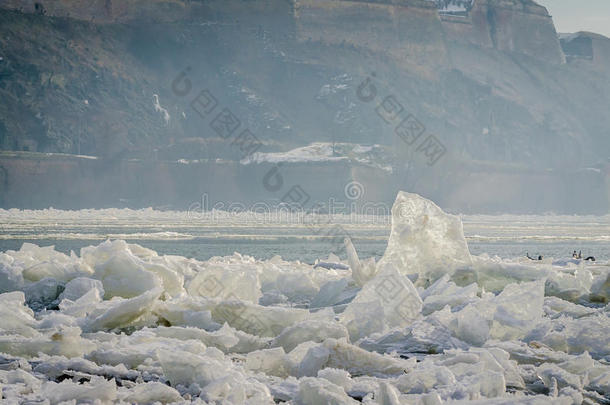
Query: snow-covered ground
427	323
453	6
372	155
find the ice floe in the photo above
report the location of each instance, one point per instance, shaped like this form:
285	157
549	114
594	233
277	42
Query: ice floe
428	323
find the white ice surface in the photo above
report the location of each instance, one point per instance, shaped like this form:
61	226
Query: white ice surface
427	324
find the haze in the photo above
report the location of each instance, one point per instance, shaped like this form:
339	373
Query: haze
482	109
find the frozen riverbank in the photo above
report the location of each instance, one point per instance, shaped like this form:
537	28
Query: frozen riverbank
429	322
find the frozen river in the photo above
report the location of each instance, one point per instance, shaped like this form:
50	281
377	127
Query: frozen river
204	236
422	308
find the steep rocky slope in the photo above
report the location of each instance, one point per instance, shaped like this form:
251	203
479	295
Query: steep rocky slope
70	86
491	81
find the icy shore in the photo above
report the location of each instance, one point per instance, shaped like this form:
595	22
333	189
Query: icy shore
428	324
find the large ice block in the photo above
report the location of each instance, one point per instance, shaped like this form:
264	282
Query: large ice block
424	241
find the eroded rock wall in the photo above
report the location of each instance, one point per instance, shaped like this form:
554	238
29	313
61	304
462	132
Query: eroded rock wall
154	11
507	25
409	31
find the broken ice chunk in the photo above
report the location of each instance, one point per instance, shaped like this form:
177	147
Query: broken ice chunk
45	262
257	319
473	324
127	274
80	286
314	391
97	390
425	241
223	339
309	330
518	310
188	368
16	317
387	394
338	377
575	336
444	292
556	307
569	287
222	282
27	381
389	301
268	361
425	377
560	376
123	276
43	293
66	341
11	277
600	289
152	392
122	312
186	311
329	294
508	316
428	335
82	306
362	271
306	359
358	361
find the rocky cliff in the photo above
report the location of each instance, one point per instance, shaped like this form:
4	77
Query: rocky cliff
587	49
407	31
104	11
507	25
490	80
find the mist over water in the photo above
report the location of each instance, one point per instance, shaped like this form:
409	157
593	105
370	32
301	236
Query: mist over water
204	236
304	202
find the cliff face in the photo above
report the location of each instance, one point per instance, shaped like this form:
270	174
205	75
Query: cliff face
521	26
408	31
507	25
489	81
103	11
150	11
601	52
587	49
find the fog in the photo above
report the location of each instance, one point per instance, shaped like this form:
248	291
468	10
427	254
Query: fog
303	202
481	108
